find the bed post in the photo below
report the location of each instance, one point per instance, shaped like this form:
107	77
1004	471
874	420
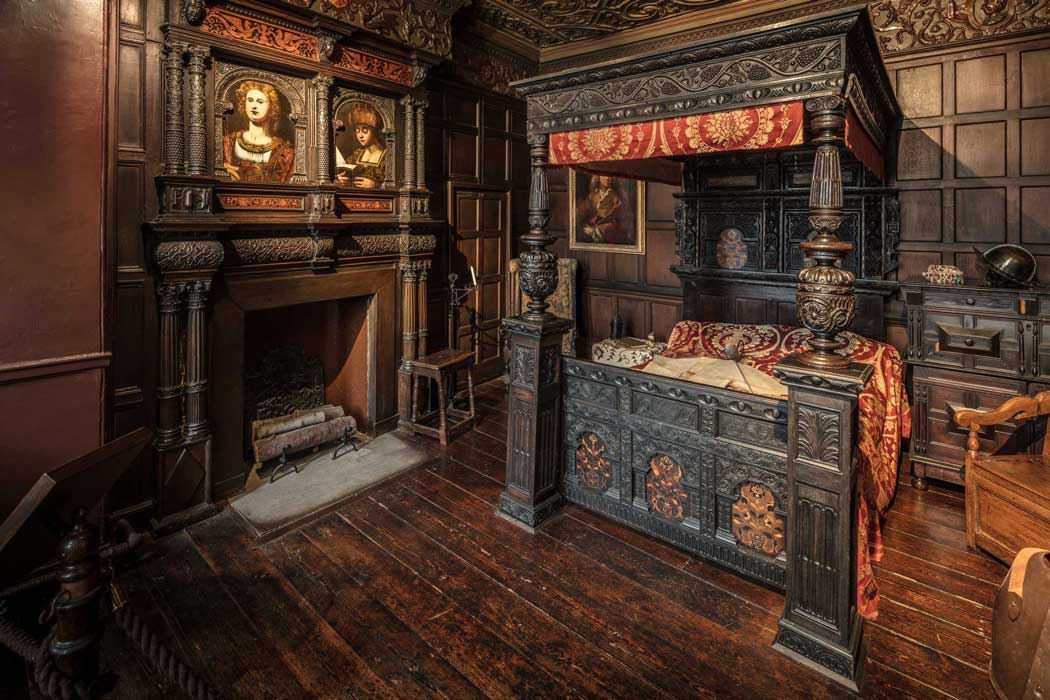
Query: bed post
820	626
534	403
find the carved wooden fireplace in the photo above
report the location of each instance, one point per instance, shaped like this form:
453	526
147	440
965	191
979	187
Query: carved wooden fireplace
292	207
341	320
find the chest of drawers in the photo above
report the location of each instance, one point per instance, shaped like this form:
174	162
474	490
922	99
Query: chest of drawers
972	347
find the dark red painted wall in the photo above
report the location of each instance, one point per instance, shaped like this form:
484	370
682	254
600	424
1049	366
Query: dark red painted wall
52	217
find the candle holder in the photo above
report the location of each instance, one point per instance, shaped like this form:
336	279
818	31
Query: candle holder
457	296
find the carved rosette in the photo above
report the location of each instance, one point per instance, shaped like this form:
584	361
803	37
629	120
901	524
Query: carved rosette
592	462
199	254
664	492
755	522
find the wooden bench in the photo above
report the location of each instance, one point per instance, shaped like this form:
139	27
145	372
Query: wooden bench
1007	496
446	421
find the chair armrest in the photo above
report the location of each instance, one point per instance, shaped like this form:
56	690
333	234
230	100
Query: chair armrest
1019	408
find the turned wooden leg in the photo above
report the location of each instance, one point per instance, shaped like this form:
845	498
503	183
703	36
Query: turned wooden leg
918	477
442	418
415	397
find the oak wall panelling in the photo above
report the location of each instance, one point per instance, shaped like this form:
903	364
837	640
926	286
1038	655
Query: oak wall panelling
478	155
972	166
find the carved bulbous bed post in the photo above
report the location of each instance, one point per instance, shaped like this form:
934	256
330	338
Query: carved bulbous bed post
534	408
826	302
821	626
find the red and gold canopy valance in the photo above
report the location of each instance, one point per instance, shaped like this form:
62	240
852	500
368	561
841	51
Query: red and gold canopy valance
631	150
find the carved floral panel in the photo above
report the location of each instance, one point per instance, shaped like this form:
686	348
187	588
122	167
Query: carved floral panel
755	521
664	491
592	462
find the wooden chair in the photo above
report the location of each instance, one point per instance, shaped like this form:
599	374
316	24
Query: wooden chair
1007	497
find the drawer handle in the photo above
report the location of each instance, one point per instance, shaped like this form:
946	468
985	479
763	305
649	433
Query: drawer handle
968	342
970	301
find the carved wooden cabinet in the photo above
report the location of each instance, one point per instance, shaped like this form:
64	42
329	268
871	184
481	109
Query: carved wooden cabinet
972	347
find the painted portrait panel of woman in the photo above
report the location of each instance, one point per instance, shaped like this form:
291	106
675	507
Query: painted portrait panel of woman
259	141
606	213
360	151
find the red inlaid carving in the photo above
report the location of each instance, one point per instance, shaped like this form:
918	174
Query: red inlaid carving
755	522
592	466
663	488
361	62
234	26
237	201
355	204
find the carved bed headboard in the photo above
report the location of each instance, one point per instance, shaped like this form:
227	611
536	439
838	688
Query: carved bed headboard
738	226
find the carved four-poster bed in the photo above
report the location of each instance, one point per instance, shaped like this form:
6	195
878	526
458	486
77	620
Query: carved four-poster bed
679	459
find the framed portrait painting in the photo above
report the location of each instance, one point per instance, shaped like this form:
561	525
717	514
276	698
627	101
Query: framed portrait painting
606	213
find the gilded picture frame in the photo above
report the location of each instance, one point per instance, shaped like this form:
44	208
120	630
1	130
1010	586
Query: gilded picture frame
606	213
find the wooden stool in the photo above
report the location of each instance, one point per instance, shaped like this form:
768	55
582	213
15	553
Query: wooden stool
439	366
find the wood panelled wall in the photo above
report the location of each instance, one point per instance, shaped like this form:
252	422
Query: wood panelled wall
475	143
641	288
54	347
974	154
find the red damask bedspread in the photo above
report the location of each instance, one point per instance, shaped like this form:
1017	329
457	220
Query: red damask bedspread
884	415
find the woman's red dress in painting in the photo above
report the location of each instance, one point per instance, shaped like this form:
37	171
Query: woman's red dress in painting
272	163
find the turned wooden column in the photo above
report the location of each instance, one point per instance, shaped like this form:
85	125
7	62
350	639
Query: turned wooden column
196	355
409	335
322	86
169	381
409	176
534	403
197	129
420	144
821	626
826	302
421	309
174	136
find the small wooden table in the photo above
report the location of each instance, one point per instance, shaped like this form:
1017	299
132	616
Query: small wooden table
439	366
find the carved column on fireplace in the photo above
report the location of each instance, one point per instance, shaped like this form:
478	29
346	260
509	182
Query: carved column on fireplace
169	386
196	355
197	129
408	104
534	406
322	86
409	337
174	137
421	308
183	442
420	144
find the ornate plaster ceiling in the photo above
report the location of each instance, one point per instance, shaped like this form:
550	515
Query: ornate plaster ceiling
546	23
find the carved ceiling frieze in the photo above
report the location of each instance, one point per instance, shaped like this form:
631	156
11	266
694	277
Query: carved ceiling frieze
489	66
423	25
552	22
904	25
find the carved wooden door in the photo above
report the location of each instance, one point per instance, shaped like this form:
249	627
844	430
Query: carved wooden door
481	237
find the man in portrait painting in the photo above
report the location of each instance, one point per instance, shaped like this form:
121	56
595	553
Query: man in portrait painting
602	214
366	165
257	153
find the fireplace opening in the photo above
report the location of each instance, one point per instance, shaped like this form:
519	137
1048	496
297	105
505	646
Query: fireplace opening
306	356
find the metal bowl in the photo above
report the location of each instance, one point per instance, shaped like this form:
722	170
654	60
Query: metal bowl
1010	264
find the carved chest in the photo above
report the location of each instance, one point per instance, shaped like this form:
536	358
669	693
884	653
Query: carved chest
972	347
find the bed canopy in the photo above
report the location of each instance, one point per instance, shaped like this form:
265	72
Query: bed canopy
818	82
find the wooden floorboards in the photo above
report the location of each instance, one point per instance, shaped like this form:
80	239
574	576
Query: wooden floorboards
416	589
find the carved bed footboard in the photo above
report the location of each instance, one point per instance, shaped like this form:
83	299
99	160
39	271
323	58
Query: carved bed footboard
746	481
702	468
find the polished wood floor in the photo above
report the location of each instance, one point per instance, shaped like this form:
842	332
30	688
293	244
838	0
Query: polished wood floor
416	589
